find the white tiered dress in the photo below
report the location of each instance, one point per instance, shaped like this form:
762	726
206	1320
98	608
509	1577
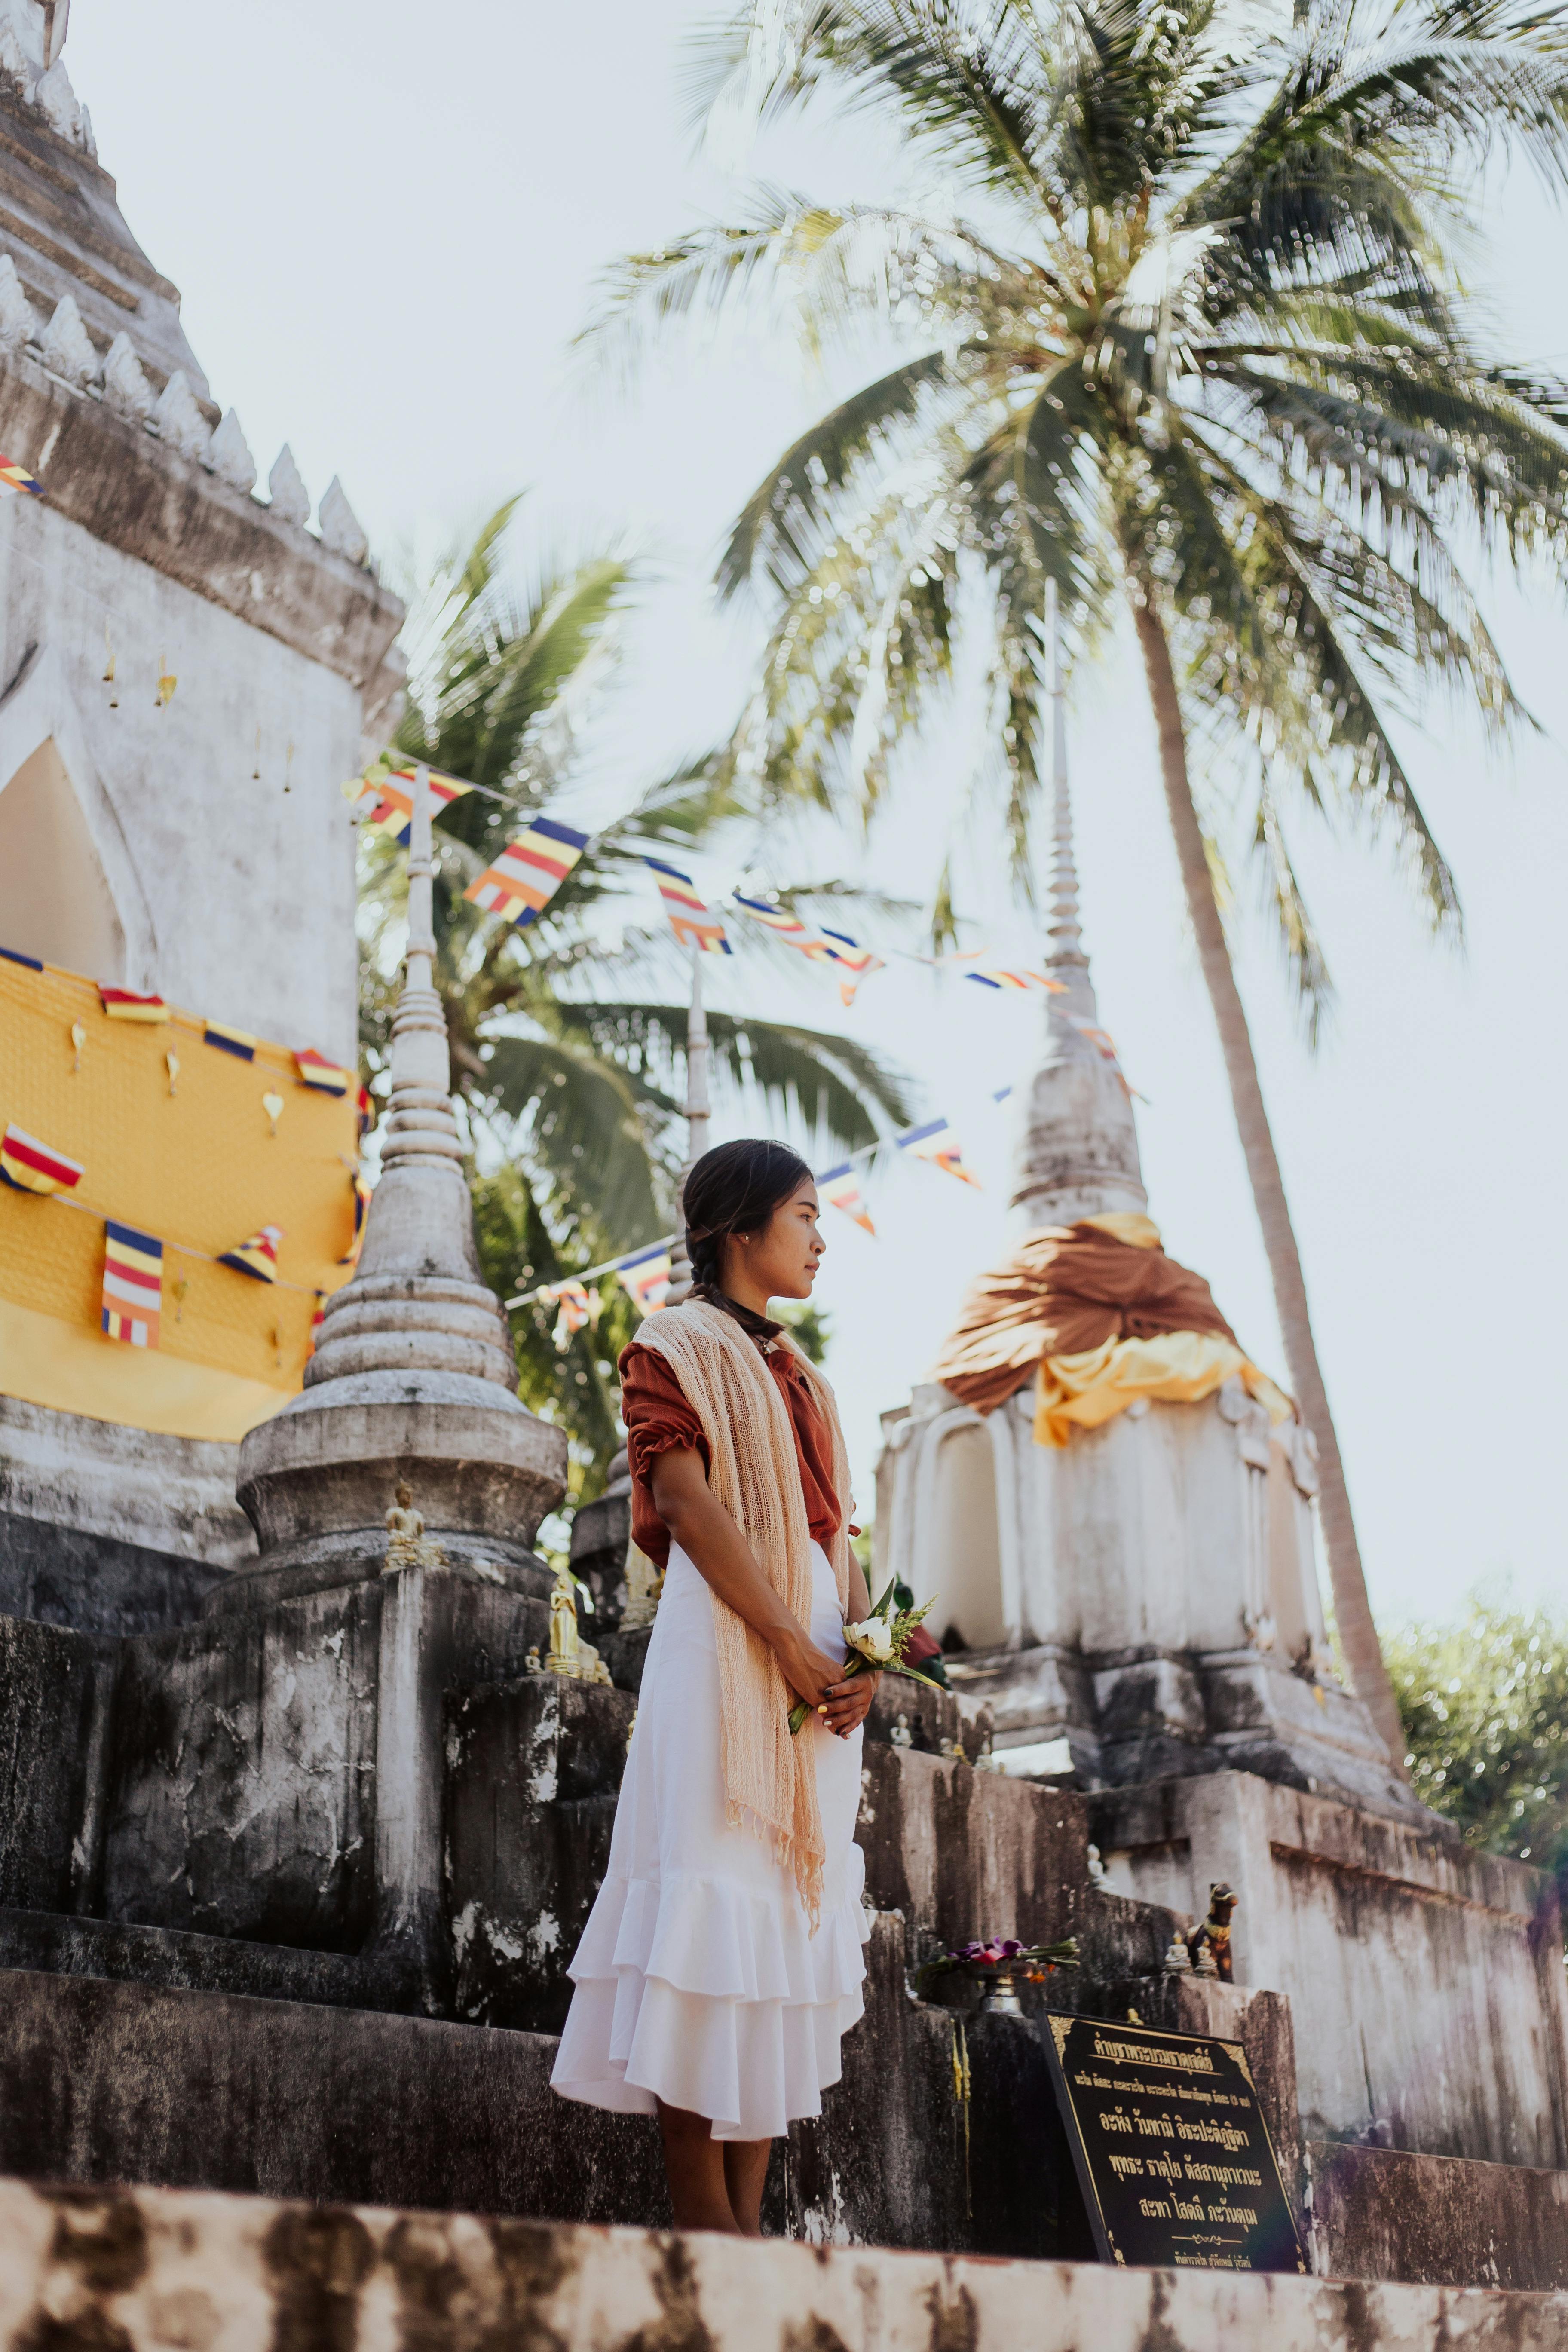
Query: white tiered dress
697	1981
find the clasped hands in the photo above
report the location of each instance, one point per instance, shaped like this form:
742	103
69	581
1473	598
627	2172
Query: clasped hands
842	1705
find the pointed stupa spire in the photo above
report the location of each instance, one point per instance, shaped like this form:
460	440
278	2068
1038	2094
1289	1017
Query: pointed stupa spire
1075	1145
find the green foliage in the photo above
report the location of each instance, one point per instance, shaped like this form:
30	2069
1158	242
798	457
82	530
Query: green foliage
567	1066
1184	319
576	1385
806	1324
1484	1708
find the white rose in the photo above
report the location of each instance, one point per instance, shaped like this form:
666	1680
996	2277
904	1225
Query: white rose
873	1637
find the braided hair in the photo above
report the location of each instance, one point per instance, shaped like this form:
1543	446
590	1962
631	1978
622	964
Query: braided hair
734	1189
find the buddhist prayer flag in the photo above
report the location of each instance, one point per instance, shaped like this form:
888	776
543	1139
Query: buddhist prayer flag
996	975
130	1004
15	955
366	1105
529	872
325	1078
258	1256
361	1187
383	798
787	927
646	1278
937	1142
576	1309
691	918
230	1041
14	477
33	1167
856	960
132	1285
317	1319
841	1187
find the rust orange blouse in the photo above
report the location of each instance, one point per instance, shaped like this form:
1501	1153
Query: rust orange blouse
658	1419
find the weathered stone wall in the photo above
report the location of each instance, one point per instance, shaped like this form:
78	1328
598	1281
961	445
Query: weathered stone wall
55	1689
1425	1979
1384	2213
532	1773
141	2270
162	1508
264	630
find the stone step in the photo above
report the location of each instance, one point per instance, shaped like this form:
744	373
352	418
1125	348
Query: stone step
143	2269
174	1957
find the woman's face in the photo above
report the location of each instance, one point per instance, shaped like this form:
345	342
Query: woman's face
781	1259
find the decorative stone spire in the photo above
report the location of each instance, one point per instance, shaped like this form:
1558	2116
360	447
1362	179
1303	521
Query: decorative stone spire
290	498
698	1121
340	527
1075	1146
125	385
228	455
180	421
19	322
412	1377
67	345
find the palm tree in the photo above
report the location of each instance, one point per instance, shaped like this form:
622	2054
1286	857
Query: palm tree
1181	322
564	1066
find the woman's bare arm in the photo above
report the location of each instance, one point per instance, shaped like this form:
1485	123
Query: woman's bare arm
709	1537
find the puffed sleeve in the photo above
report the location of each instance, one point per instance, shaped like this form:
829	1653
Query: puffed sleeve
654	1408
657	1418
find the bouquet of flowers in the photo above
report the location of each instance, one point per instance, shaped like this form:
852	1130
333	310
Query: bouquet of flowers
999	1956
878	1644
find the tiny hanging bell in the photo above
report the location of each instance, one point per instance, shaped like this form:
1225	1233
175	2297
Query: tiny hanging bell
79	1039
167	682
172	1062
273	1105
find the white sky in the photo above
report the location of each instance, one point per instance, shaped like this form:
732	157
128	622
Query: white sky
386	234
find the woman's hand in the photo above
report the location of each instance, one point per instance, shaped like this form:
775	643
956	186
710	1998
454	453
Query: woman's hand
808	1671
849	1702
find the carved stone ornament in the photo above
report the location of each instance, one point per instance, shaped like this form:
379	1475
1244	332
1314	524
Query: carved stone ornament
19	322
179	419
67	347
228	455
340	526
290	498
125	387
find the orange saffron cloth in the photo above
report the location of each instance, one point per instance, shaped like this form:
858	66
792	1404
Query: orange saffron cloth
1070	1307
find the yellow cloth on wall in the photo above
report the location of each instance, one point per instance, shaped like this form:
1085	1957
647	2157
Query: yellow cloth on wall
1080	1391
198	1166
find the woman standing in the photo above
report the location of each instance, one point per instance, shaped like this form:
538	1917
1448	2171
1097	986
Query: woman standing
722	1960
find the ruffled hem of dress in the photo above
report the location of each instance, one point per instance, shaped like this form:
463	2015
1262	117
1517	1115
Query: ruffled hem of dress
713	1997
752	2068
724	1941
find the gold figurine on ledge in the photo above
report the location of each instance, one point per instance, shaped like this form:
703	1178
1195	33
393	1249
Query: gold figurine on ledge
569	1653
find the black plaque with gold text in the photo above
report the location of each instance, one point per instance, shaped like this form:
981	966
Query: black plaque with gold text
1172	2152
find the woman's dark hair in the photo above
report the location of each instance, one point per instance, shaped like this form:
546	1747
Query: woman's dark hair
734	1189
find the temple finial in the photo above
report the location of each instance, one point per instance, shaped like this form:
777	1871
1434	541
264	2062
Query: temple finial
1075	1151
1066	959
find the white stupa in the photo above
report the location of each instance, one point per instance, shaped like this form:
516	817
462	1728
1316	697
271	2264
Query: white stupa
1144	1601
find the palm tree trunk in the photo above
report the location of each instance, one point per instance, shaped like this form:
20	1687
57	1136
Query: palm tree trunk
1353	1610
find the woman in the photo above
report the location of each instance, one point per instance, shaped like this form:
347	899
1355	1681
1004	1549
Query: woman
723	1960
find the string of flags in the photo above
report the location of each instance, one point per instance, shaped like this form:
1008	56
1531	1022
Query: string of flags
522	881
644	1274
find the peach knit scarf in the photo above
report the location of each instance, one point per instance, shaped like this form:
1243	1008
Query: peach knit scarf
770	1780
